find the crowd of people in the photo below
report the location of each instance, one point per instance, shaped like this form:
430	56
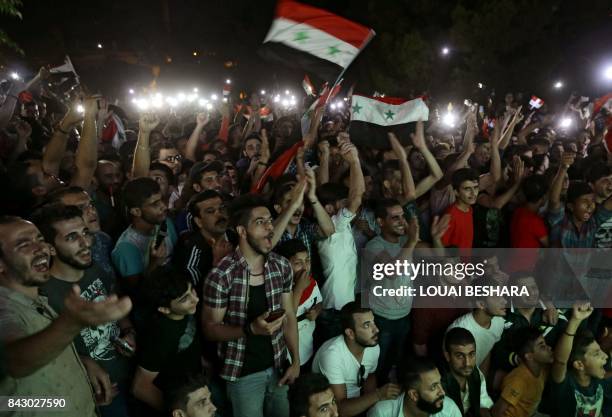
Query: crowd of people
179	267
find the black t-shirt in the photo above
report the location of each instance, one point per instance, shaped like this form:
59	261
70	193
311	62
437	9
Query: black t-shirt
172	348
95	342
570	399
258	354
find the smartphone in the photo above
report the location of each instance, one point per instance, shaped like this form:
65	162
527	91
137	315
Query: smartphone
161	234
117	341
274	315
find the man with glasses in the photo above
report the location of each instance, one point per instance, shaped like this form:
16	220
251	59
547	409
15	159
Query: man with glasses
248	307
349	362
167	154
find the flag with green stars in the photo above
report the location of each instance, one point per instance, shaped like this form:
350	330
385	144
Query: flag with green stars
313	39
373	117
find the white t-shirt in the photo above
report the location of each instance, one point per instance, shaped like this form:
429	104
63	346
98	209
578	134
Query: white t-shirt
339	365
306	327
485	338
395	408
339	260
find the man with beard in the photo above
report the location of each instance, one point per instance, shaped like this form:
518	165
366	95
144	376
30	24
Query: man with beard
107	196
248	307
522	388
135	251
349	362
106	363
463	381
312	396
102	243
201	250
397	241
422	394
40	357
460	232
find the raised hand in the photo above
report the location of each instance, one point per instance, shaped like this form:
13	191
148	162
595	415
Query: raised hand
311	180
439	226
148	122
397	147
265	147
418	139
581	311
349	152
85	313
202	119
567	159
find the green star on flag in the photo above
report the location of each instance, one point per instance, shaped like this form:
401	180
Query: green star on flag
301	36
389	115
333	50
356	108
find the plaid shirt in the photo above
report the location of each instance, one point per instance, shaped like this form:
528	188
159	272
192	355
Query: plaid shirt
226	286
306	231
563	231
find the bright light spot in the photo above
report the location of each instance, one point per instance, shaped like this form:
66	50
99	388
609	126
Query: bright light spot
287	92
214	97
608	72
263	92
445	50
333	106
209	106
142	104
195	53
228	81
134	101
449	119
181	97
157	101
202	102
565	122
340	104
195	90
80	108
276	99
345	99
14	75
173	102
480	85
191	98
224	99
285	103
558	85
131	91
99	46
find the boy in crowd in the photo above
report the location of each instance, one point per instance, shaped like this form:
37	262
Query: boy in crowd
523	387
64	227
171	344
311	396
349	362
460	232
486	323
422	394
306	295
463	381
191	398
579	383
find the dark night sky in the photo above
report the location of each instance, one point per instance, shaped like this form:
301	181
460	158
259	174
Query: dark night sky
139	34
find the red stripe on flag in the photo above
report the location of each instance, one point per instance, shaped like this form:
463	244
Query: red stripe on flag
278	167
338	27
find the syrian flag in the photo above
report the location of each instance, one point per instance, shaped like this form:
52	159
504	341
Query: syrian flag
372	118
308	87
326	95
314	40
536	102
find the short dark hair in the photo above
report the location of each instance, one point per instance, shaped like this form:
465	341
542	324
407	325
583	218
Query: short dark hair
582	341
411	370
241	208
164	144
462	175
45	217
301	390
192	205
534	188
525	338
331	192
577	189
458	336
290	247
56	195
5	219
158	166
177	397
597	171
346	314
281	191
137	191
163	285
380	211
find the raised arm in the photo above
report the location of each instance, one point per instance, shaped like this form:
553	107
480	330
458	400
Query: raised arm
86	158
357	182
435	173
499	201
281	222
323	220
563	349
567	159
407	180
56	148
202	120
323	171
142	154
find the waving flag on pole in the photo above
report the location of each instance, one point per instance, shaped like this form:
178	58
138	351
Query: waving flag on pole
373	117
313	39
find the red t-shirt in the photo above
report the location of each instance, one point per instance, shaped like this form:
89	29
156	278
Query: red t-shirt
460	233
526	229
